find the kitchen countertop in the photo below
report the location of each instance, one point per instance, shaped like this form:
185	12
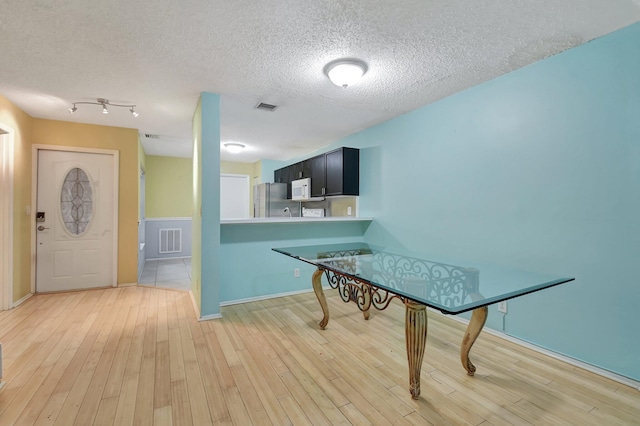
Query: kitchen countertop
294	220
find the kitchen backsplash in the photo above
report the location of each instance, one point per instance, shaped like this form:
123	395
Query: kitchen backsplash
335	206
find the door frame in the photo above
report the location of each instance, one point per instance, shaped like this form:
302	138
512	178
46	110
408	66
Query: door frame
6	212
34	199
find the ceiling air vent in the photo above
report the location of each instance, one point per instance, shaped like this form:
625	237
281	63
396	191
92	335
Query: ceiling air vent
266	107
150	136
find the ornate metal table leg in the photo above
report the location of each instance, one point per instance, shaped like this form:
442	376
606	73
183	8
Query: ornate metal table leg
317	288
416	336
478	318
366	299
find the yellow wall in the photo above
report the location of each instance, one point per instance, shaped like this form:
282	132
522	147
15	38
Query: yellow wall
141	167
61	133
21	123
256	177
233	167
169	186
196	222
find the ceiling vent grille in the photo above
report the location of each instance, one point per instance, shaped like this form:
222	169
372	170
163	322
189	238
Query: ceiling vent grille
266	107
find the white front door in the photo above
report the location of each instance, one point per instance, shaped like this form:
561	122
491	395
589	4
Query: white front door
74	221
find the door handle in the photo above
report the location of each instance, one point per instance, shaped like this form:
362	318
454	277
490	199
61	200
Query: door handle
42	228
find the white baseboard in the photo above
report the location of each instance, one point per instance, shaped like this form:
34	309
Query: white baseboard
269	296
197	309
572	361
210	317
161	219
168	258
21	301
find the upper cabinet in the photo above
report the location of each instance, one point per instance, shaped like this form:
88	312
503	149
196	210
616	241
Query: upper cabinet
342	172
336	172
284	175
298	171
316	167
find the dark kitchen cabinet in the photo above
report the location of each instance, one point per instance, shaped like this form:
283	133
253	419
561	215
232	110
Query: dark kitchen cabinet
334	173
284	175
298	171
342	172
277	176
317	172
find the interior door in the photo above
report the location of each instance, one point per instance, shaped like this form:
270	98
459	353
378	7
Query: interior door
234	196
74	221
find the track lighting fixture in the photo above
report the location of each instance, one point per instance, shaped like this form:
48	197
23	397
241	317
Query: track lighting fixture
105	104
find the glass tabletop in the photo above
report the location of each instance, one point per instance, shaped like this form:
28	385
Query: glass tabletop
451	288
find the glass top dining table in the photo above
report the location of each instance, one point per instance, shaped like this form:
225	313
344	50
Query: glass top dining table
372	276
444	286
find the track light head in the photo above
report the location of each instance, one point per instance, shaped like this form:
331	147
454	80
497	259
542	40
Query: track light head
133	111
73	109
104	109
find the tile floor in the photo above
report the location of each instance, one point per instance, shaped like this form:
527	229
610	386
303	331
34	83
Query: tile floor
167	273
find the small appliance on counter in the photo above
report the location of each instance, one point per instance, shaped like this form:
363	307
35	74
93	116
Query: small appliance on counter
312	212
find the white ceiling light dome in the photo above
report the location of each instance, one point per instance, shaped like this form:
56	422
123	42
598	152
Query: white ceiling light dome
345	72
234	148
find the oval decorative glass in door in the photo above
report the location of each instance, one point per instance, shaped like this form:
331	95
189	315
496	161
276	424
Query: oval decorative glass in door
76	201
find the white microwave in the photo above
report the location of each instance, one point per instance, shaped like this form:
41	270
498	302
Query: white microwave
301	189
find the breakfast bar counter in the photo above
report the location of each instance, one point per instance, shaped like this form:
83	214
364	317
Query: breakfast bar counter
250	270
284	219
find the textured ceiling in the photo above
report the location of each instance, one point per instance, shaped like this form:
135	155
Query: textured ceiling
160	55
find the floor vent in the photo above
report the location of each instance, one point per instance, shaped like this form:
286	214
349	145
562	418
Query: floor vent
170	240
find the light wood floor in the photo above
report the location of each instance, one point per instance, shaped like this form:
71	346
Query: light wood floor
137	356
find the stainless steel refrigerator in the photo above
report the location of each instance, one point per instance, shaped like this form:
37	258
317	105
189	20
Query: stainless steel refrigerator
270	200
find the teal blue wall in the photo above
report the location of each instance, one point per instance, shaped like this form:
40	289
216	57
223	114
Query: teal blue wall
268	167
538	169
251	269
210	304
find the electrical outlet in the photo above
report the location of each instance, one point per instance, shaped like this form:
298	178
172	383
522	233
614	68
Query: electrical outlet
502	306
296	272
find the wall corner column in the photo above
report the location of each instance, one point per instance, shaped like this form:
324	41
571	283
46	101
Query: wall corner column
206	209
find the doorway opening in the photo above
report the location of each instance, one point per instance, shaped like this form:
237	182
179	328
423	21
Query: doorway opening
165	232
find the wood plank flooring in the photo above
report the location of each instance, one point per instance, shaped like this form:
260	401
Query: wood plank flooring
138	356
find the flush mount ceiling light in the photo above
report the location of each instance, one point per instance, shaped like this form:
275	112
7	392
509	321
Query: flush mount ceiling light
104	103
345	72
234	148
